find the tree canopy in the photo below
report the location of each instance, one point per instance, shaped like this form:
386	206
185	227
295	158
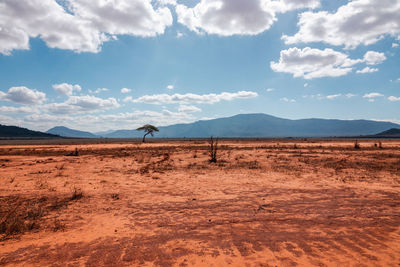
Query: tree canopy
149	129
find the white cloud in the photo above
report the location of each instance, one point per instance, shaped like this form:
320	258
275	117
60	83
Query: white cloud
285	99
333	96
358	22
23	95
236	17
374	58
82	28
98	90
393	98
126	90
128	99
23	109
305	85
167	2
66	89
368	70
188	109
99	122
170	87
179	35
394	45
371	96
22	20
130	17
6	120
350	95
328	97
312	63
270	90
193	98
78	104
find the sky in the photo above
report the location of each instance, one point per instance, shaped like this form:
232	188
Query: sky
99	65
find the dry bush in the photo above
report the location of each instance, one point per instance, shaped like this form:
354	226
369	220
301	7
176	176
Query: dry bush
213	150
76	194
356	145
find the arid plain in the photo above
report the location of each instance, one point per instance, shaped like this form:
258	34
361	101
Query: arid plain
264	203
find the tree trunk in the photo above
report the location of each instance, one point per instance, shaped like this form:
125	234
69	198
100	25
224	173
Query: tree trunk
144	136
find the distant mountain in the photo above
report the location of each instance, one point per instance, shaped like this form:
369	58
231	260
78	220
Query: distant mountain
394	132
103	133
18	132
67	132
262	125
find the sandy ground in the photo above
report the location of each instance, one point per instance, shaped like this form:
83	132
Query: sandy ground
264	203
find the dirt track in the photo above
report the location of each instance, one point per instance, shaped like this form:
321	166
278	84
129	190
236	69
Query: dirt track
264	203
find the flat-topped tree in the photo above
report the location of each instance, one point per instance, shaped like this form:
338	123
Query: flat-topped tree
149	129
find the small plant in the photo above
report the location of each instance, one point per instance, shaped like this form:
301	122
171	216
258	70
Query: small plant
115	196
380	145
74	153
76	194
356	145
213	150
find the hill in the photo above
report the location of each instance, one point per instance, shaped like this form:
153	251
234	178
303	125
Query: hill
263	125
394	132
67	132
18	132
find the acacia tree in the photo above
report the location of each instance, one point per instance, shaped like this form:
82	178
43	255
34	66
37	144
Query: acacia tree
148	129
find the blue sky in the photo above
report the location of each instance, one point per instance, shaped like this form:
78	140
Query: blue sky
66	62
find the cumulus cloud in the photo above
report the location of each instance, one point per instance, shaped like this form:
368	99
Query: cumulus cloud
130	17
394	45
99	122
358	22
312	63
236	17
66	89
270	90
78	104
374	58
188	109
193	98
170	87
126	90
372	96
23	109
23	95
167	2
83	27
393	98
367	70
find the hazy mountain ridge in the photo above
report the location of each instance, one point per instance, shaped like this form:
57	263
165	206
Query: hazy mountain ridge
393	132
263	125
19	132
241	126
67	132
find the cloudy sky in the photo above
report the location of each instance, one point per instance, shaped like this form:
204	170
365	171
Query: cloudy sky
116	64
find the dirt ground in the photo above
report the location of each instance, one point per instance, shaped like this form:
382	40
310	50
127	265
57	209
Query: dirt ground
264	203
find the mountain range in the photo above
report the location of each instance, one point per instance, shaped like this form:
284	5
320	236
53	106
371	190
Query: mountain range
252	125
241	126
18	132
67	132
